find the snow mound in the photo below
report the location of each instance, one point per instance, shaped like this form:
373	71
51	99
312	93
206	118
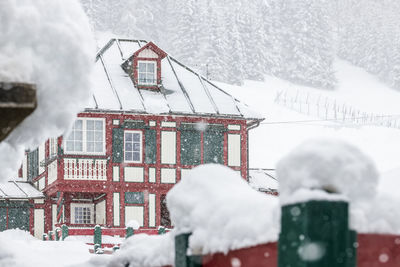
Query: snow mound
222	211
20	249
47	43
317	168
143	250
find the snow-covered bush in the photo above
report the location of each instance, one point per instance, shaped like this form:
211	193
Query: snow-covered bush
47	43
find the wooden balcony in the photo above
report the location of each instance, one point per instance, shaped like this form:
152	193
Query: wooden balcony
85	169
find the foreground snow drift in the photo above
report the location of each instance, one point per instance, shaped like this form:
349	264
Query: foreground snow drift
19	249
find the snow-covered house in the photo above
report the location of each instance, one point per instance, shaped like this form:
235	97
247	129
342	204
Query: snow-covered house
151	120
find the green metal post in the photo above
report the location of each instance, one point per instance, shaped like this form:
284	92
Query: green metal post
64	232
57	234
129	232
44	237
97	235
97	249
315	234
161	230
50	235
181	259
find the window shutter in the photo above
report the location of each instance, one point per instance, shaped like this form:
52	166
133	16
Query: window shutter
134	198
150	146
33	164
214	146
3	218
18	218
190	147
29	166
118	145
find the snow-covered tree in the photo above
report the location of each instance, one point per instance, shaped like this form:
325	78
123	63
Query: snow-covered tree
307	43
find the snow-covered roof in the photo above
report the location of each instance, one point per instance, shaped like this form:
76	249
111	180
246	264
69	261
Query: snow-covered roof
183	91
263	180
18	190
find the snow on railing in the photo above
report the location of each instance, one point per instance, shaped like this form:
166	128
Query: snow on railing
328	109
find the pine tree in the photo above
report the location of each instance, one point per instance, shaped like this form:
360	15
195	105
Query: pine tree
307	49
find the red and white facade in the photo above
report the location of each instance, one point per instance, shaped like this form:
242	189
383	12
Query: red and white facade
151	120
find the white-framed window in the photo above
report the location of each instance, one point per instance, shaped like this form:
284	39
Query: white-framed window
133	146
82	213
74	141
87	136
147	74
52	147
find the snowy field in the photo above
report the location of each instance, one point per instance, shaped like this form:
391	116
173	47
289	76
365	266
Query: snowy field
284	128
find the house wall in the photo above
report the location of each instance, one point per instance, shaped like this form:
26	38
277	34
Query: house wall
152	179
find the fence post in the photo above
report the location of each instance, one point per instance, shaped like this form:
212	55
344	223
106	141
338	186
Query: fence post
129	231
316	233
64	232
50	235
161	230
97	236
57	234
44	237
181	259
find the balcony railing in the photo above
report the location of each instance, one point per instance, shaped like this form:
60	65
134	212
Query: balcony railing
85	169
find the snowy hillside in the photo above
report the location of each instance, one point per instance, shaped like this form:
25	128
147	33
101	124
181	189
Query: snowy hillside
284	127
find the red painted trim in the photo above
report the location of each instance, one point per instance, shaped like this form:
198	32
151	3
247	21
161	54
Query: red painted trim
152	47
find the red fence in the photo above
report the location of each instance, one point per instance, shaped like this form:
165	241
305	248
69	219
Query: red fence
374	250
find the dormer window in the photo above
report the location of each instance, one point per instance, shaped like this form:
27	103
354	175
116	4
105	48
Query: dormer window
144	67
147	73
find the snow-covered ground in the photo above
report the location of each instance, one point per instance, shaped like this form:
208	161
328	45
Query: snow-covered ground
19	249
283	128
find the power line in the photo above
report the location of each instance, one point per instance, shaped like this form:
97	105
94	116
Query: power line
332	120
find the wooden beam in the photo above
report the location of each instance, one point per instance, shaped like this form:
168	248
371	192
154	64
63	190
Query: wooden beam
17	101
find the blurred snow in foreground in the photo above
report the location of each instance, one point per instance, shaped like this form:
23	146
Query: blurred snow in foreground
47	43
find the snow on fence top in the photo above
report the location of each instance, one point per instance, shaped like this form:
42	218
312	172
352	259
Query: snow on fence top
49	44
182	91
221	211
317	168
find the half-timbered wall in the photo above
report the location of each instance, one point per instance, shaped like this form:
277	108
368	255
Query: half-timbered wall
169	147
